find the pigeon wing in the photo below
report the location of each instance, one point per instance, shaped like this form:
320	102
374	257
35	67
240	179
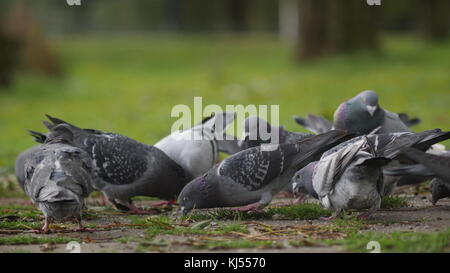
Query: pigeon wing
256	167
437	164
330	168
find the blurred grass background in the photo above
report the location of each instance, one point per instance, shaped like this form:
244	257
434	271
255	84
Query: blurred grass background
129	84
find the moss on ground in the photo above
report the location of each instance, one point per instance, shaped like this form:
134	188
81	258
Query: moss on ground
30	240
397	241
306	211
394	202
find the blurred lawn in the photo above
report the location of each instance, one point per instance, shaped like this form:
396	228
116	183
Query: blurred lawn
130	84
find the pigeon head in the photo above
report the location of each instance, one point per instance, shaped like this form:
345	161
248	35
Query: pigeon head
361	114
196	194
370	101
439	190
302	181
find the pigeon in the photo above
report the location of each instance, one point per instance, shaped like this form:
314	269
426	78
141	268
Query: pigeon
57	176
429	166
21	159
258	131
196	149
349	178
350	175
254	130
361	114
253	176
125	168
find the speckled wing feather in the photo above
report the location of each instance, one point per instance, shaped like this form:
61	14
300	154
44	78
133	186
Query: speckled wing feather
255	168
117	159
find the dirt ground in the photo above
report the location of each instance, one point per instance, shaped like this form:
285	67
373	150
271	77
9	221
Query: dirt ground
114	231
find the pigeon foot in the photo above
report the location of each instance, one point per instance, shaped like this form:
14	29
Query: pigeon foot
163	203
251	207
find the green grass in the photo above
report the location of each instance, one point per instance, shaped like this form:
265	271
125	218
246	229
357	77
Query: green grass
305	211
130	84
31	240
19	225
405	242
346	225
394	202
22	212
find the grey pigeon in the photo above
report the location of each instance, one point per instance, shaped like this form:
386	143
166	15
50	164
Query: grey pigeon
57	176
361	114
253	176
255	129
196	149
21	159
253	126
430	166
349	176
125	168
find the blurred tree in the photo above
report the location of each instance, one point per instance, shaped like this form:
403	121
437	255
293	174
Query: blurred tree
238	12
434	19
9	57
399	15
35	53
288	20
172	14
330	27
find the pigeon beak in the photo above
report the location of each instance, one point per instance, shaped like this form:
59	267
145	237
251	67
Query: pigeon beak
371	109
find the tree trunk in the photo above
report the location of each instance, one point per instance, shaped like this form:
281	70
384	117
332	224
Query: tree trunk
237	10
332	27
288	20
434	19
312	28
